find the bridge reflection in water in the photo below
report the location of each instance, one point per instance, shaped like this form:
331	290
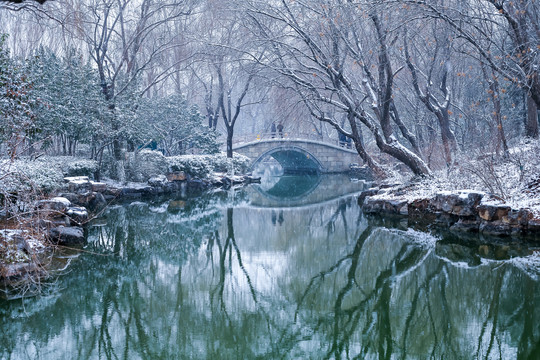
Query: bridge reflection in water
281	190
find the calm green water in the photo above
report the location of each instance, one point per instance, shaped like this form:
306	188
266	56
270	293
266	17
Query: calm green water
257	274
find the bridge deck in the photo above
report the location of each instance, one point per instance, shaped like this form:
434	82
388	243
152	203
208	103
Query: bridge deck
298	154
290	140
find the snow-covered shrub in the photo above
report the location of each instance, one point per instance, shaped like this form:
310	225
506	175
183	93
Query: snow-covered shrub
240	163
514	179
43	174
202	165
199	166
26	175
80	167
145	164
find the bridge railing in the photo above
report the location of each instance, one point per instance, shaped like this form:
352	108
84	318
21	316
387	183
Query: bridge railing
247	138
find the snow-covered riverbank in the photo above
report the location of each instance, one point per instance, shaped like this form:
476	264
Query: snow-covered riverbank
42	208
493	195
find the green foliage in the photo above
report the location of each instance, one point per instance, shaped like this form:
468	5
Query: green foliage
202	165
70	100
199	166
17	119
145	164
49	100
175	125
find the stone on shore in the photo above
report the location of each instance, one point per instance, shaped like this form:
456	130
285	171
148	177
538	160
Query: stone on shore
534	225
158	181
77	214
78	183
461	203
98	186
176	176
54	207
461	210
491	212
20	270
67	235
364	194
386	206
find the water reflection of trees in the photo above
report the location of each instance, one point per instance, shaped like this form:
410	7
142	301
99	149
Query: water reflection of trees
349	309
414	311
224	282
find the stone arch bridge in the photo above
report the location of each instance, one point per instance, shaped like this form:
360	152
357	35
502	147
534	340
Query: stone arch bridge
300	155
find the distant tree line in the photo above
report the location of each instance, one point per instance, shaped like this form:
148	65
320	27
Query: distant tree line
417	81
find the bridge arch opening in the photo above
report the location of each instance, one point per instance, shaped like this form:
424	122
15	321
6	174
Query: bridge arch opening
291	160
287	188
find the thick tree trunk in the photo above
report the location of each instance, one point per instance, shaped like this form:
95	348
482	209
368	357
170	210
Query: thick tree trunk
447	136
417	165
118	152
230	132
395	149
372	164
531	124
501	137
359	146
495	98
404	131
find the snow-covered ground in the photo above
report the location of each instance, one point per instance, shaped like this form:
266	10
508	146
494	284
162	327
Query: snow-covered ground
514	180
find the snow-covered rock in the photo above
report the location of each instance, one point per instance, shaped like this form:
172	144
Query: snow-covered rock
159	180
176	176
461	210
77	180
54	205
461	203
78	214
67	235
98	186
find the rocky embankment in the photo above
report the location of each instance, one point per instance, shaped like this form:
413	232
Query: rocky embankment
26	246
463	210
93	195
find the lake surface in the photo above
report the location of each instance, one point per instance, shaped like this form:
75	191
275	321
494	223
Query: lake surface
274	272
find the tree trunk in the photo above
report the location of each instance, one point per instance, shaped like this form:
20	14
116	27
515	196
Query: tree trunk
495	98
404	131
447	136
417	165
531	124
119	171
230	132
395	149
359	146
64	145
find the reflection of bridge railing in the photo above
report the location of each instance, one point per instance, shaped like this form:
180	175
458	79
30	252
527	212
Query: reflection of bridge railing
243	139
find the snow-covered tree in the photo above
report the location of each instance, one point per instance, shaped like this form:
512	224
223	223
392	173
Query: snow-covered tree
17	118
70	103
172	125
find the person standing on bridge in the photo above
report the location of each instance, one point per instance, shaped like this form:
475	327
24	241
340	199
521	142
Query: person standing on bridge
342	139
280	129
273	130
